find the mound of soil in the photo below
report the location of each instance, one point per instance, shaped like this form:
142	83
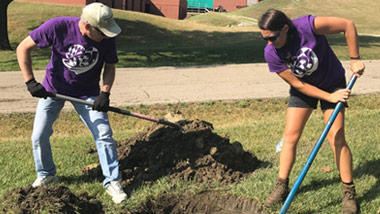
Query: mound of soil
48	199
203	203
196	153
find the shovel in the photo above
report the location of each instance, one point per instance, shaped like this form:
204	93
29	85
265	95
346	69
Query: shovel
309	161
117	110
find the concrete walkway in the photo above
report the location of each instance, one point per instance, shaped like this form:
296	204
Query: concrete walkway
134	86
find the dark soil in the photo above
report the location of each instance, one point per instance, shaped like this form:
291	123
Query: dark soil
203	203
50	199
196	153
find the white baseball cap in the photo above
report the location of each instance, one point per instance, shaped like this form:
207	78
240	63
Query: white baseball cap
100	16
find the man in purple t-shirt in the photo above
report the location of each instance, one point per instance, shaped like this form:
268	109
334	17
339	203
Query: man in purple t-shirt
80	49
299	53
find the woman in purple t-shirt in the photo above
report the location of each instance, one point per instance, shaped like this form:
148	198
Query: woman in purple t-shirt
299	53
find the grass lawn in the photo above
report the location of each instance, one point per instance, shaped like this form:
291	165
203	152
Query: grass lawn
206	39
256	124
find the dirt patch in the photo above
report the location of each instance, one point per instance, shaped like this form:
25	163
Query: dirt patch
197	154
203	203
48	199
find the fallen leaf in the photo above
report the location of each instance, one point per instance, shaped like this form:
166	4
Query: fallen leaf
326	169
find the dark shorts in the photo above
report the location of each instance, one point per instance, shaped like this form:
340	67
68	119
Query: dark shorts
300	100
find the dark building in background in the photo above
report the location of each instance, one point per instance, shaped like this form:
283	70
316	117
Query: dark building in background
176	9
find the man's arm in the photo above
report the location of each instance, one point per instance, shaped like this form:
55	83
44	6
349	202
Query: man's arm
24	57
25	62
108	77
102	101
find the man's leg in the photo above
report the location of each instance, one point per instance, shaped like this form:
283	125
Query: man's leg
46	114
98	123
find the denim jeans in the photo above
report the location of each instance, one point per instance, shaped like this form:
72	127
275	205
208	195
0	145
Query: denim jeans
97	122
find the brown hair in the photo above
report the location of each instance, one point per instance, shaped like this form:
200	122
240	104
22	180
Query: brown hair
274	20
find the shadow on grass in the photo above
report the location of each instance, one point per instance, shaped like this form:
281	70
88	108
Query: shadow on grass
142	44
370	168
78	179
145	44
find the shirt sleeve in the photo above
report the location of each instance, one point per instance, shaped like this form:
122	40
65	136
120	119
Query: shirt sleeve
275	64
43	35
111	56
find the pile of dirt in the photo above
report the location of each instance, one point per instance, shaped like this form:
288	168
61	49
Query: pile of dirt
202	203
196	153
48	199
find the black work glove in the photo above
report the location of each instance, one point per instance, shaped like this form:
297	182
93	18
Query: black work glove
36	89
102	102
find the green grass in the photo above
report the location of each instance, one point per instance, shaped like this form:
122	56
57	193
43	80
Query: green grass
257	124
361	12
206	39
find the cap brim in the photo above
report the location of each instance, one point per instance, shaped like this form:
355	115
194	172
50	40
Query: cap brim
111	30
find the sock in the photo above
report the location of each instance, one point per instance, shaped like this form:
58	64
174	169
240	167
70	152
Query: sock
348	184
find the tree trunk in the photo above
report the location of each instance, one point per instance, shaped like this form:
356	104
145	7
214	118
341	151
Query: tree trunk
4	41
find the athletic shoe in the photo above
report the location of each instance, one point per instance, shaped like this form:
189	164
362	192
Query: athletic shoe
45	181
117	193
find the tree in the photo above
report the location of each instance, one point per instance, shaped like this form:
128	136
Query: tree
4	41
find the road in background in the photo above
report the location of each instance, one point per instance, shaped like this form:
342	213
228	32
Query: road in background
135	86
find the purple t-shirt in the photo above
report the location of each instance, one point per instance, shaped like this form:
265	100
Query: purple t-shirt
307	55
76	61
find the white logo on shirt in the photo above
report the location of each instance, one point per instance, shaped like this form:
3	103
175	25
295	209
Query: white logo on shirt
80	60
304	63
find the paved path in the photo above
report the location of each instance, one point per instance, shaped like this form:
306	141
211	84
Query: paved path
134	86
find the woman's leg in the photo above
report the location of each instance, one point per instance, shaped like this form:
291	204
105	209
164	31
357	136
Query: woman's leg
295	122
296	119
343	160
337	140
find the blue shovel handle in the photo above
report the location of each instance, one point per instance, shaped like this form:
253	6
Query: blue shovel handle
316	148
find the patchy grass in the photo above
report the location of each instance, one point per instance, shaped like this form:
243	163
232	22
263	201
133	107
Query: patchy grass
257	124
205	39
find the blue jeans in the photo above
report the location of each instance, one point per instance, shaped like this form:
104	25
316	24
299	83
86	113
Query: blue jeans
97	122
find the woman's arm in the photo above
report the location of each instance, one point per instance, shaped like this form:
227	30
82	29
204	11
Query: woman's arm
334	25
340	95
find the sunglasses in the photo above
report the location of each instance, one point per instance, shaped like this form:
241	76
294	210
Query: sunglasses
99	31
272	38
